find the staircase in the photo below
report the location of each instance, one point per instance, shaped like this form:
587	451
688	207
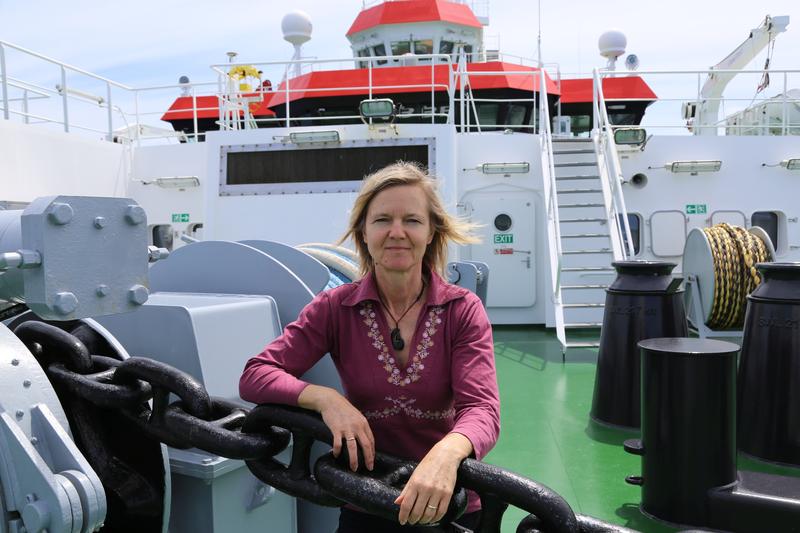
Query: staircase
585	269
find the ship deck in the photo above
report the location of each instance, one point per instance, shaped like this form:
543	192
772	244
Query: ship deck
546	433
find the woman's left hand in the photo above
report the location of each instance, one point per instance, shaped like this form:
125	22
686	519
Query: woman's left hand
427	494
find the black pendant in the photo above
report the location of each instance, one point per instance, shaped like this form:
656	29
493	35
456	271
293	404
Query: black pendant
397	341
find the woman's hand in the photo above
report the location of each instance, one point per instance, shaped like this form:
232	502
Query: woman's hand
427	494
345	422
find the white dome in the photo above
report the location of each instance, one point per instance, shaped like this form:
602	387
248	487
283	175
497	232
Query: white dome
296	27
612	44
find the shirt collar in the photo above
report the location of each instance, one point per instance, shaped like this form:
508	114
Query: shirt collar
439	291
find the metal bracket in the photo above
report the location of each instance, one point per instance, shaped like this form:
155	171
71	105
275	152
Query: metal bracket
472	275
696	315
46	479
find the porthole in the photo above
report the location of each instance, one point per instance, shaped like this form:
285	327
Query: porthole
502	222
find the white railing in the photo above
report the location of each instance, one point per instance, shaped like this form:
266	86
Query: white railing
610	170
234	109
675	88
551	206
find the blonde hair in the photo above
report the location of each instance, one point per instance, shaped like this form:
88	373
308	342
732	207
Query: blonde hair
446	228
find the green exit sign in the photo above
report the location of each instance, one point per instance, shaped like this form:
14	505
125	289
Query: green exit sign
180	217
696	209
504	238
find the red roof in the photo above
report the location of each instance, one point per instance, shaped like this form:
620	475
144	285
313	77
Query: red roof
208	107
627	87
404	11
388	80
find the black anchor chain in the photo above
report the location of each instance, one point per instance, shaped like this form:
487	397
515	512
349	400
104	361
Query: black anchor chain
230	429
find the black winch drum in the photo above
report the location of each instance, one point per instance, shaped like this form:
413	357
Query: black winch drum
643	302
698	261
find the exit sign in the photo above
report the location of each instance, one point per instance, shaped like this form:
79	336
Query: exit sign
696	209
180	217
504	238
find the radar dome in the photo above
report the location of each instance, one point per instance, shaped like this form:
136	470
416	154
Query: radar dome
296	27
612	44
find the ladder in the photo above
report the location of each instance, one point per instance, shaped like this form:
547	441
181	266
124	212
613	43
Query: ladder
586	250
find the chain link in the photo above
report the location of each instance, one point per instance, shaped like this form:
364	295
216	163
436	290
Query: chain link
228	429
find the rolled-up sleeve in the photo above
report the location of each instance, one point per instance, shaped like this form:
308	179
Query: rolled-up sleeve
273	375
474	378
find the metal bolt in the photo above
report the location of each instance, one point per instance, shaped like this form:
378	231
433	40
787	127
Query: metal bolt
100	222
102	290
15	362
60	213
26	383
34	441
135	215
29	258
30	498
65	303
156	254
138	294
207	460
20	413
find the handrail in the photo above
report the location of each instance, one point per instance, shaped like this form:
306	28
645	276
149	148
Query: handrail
607	151
551	205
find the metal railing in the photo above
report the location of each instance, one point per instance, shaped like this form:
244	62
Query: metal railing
551	206
74	99
234	108
610	170
676	88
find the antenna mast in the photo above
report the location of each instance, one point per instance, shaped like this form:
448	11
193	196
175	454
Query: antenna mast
539	39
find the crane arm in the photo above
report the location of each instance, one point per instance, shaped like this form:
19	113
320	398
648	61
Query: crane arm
714	86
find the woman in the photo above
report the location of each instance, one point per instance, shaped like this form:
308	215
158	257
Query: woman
413	352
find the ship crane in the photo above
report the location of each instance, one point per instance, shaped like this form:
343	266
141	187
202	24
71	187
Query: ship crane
705	112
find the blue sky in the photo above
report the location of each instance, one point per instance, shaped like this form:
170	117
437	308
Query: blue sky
142	41
147	42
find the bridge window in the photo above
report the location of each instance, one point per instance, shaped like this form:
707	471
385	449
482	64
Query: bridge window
424	46
380	50
516	115
401	47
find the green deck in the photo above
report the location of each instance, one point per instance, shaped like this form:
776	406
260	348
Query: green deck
546	434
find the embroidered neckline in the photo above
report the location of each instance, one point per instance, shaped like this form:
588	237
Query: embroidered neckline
387	359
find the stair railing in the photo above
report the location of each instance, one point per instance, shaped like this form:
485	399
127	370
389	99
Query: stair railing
611	179
551	207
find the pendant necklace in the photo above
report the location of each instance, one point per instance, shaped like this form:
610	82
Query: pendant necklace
397	340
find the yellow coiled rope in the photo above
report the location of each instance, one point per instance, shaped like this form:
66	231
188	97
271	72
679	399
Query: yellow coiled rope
736	252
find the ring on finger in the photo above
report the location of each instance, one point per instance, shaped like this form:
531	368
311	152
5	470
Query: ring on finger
350	438
433	507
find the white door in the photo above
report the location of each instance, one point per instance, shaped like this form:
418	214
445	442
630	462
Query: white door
507	245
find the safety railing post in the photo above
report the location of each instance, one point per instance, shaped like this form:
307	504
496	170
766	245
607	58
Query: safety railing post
194	114
110	113
64	99
433	89
784	114
288	112
4	81
25	118
136	113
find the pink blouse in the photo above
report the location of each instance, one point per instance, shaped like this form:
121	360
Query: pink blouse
448	385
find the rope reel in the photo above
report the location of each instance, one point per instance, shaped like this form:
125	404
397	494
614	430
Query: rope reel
723	259
342	262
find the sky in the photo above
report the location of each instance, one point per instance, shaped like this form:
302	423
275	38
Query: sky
149	42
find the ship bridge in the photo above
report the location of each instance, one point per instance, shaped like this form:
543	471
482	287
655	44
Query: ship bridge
397	31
